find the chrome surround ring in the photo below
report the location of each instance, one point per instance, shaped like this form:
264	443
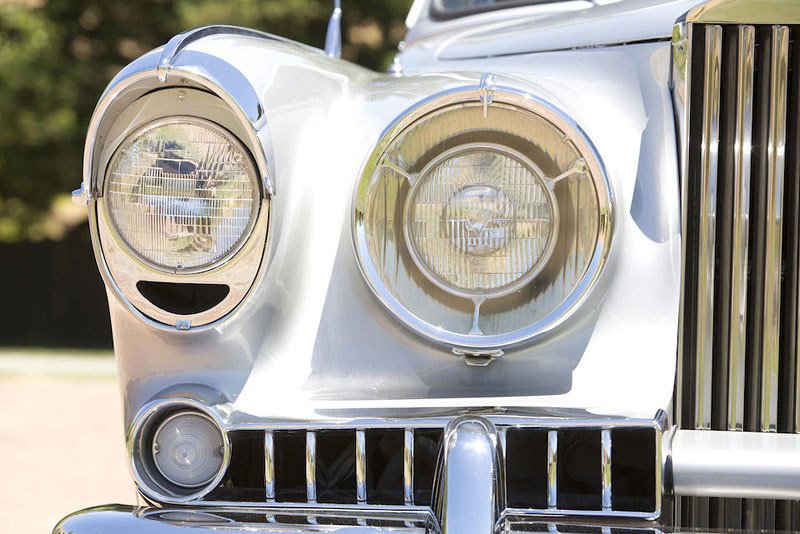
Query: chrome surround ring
503	290
145	425
516	97
231	138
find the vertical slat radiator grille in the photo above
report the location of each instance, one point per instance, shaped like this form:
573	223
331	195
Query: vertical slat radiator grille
741	194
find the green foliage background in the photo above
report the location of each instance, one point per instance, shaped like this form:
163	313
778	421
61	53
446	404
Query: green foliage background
56	56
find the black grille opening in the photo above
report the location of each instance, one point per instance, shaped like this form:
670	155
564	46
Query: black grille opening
427	443
183	299
244	479
633	469
384	449
336	467
579	470
290	466
526	468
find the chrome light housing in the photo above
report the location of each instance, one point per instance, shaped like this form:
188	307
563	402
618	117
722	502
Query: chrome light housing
179	450
482	219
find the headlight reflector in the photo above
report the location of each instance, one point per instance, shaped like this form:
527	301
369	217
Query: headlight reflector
182	194
480	221
188	449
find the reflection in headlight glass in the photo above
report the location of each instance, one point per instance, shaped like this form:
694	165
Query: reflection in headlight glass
182	194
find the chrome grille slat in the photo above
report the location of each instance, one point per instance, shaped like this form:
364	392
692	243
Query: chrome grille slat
269	466
408	466
741	227
707	231
605	462
311	467
361	467
552	469
776	166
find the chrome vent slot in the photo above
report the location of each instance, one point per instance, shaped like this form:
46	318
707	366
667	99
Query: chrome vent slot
741	195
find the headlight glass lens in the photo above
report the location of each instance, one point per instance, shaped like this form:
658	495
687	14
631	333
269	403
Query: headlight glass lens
480	221
182	194
482	227
188	449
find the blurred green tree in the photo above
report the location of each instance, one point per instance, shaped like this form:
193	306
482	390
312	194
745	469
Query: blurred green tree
56	56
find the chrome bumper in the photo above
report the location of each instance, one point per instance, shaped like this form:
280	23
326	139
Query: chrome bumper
119	519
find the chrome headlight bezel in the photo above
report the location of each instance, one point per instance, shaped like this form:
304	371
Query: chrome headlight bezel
526	102
123	269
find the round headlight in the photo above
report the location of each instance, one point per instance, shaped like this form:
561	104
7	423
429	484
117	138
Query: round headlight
188	449
183	194
482	226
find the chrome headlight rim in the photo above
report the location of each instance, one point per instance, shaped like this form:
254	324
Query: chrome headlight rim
526	101
229	136
144	427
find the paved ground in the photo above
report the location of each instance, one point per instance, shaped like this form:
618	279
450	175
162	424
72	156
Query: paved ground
61	439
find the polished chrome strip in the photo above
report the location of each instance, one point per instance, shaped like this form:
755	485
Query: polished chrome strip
552	469
774	228
502	433
408	466
605	441
269	466
311	467
708	216
741	226
361	466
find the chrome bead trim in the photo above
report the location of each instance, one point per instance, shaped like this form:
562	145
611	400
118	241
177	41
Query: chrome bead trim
311	467
408	466
605	462
525	101
269	466
741	226
776	159
552	469
361	467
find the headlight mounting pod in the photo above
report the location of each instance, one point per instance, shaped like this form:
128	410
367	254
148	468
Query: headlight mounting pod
482	218
186	93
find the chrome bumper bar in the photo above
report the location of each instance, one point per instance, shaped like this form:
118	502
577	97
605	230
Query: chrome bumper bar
735	464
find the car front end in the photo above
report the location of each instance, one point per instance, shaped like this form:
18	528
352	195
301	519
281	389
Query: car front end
540	276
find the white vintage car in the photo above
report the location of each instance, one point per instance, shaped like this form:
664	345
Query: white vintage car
541	276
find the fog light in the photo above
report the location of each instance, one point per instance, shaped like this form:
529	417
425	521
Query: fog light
188	449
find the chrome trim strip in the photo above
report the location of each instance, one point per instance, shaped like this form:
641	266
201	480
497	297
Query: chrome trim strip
408	466
605	446
754	465
707	232
311	467
681	91
552	469
776	158
175	45
361	467
741	226
269	466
